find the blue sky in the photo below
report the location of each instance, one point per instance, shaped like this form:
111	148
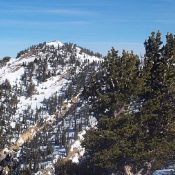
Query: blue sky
94	24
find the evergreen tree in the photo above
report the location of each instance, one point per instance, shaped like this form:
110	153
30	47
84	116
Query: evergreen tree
140	137
111	93
113	88
30	89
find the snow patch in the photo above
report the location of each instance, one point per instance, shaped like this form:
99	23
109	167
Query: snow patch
13	124
55	44
78	148
164	172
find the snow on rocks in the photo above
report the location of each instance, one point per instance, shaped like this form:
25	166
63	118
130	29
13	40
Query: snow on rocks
164	172
4	153
20	141
76	149
92	122
83	56
55	44
14	70
13	124
44	91
48	170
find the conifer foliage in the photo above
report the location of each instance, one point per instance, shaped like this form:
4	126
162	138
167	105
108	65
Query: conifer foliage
134	105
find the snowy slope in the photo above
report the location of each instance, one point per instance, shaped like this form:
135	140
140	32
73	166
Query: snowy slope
56	44
53	70
14	70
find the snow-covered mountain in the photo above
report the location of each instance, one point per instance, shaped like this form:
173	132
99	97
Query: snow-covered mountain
43	117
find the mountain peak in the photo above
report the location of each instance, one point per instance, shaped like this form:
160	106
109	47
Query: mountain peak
55	43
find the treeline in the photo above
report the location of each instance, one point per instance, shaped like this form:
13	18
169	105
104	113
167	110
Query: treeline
44	48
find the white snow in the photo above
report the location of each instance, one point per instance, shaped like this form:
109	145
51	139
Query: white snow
3	153
77	146
13	140
84	56
81	134
13	124
92	121
75	158
164	172
55	44
43	91
13	72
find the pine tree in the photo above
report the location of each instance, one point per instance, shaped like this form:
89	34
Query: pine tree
157	113
30	89
140	137
113	87
111	93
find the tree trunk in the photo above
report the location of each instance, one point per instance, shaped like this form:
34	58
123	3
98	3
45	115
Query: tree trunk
120	111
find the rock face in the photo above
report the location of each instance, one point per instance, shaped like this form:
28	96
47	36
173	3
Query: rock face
42	112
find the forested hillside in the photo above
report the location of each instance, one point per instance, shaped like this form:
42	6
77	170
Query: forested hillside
133	101
66	110
42	112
